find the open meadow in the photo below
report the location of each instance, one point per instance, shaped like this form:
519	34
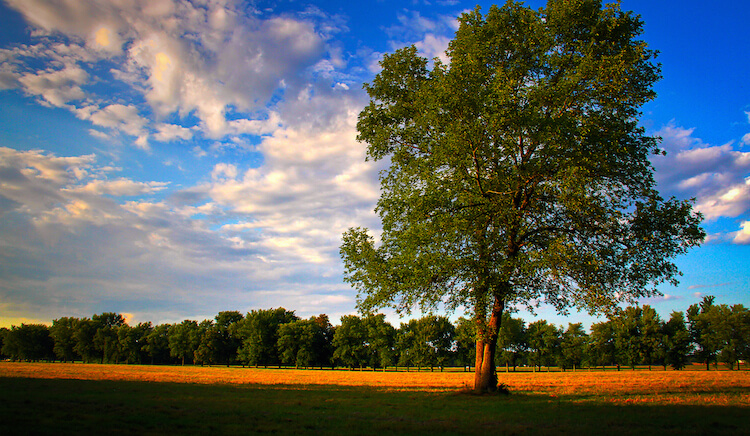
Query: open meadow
58	398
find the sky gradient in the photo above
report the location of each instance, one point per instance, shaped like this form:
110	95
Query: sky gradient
172	159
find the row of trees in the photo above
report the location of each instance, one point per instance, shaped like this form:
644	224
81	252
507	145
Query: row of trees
709	333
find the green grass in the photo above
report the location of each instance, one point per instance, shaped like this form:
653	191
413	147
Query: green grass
61	406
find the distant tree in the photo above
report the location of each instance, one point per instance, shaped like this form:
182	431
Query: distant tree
292	337
184	339
413	347
85	331
325	348
406	344
511	341
465	342
12	344
638	335
157	344
703	330
133	342
29	342
63	333
543	341
106	340
733	331
602	349
209	343
381	341
573	343
676	341
259	333
350	342
228	324
652	336
427	341
628	334
437	332
3	334
302	343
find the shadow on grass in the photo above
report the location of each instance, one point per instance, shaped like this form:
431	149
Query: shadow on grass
44	406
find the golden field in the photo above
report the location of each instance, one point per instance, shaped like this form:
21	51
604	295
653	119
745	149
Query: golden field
657	387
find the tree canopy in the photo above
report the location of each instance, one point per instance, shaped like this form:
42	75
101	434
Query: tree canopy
518	171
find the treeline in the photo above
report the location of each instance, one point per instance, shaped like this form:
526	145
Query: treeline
708	333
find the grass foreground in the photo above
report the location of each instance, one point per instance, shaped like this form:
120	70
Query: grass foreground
41	398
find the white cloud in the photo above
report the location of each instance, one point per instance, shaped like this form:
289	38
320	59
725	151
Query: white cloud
56	87
743	235
241	240
169	132
31	179
116	116
430	35
75	250
119	188
433	46
199	152
211	60
87	238
314	184
717	176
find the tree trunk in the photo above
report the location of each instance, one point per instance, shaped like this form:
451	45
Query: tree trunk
485	376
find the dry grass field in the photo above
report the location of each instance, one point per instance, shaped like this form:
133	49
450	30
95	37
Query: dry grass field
696	387
221	400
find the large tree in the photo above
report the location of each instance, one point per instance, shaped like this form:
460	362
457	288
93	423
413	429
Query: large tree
518	172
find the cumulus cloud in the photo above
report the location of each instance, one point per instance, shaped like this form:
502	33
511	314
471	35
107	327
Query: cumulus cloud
170	132
207	59
313	185
743	235
244	238
430	35
56	87
120	187
433	46
717	176
120	118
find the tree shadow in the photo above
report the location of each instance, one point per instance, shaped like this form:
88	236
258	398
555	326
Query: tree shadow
44	406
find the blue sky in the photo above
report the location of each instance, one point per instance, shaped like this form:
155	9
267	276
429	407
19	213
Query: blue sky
169	160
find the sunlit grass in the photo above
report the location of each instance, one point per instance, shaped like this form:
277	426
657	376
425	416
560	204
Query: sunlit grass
617	387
